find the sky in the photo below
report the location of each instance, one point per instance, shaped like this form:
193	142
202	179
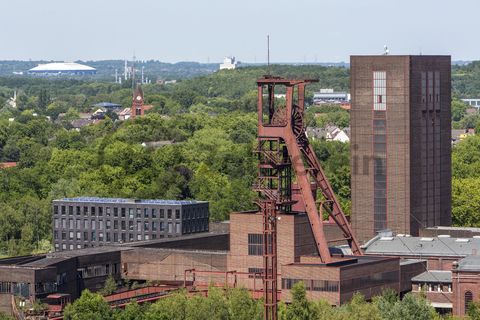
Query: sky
208	30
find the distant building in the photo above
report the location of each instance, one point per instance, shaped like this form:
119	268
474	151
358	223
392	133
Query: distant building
138	106
62	68
90	222
472	102
229	63
124	114
329	133
107	105
4	165
330	96
401	143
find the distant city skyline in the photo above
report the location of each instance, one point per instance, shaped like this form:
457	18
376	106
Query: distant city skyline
207	31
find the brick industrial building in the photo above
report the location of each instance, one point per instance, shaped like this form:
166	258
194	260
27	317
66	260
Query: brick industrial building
401	147
89	222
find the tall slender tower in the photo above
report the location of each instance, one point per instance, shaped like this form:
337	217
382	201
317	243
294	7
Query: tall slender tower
400	145
138	108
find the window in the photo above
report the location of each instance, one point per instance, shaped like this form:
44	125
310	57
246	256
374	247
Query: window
379	90
71	224
55	209
115	224
107	211
64	210
56	223
55	234
78	224
100	236
162	214
108	237
100	224
178	229
70	209
123	212
130	213
92	211
93	224
170	227
85	210
78	210
154	213
468	300
64	223
94	236
115	237
154	226
146	226
139	213
85	236
130	225
139	226
256	273
70	235
79	235
85	224
124	226
255	244
100	211
145	213
177	214
115	212
169	214
162	226
108	224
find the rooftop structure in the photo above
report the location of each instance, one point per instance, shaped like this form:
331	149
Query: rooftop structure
62	68
89	221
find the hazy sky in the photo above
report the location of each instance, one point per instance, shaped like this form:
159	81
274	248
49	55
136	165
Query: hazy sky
208	30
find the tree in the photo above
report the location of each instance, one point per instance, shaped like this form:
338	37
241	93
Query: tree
133	311
171	308
90	306
300	308
109	287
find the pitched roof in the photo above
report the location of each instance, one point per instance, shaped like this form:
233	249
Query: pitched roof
434	276
469	263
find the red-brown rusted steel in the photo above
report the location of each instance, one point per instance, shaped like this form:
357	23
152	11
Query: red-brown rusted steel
283	146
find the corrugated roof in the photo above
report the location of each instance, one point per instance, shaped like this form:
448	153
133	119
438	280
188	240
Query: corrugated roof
434	276
61	66
422	246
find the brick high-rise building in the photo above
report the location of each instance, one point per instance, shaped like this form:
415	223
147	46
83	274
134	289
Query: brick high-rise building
400	144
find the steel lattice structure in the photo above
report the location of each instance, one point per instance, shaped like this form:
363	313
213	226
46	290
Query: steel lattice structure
285	154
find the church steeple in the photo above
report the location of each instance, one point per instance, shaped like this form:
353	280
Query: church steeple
138	108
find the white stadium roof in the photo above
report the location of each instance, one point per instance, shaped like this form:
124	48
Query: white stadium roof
61	66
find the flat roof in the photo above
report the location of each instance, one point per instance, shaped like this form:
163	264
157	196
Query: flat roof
130	201
435	276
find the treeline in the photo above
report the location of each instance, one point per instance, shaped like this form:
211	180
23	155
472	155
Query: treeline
237	304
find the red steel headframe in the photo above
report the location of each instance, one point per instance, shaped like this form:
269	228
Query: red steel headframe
282	148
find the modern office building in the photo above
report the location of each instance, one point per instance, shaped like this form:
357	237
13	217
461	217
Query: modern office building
90	222
400	143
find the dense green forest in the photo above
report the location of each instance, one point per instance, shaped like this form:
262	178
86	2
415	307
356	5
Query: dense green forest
211	121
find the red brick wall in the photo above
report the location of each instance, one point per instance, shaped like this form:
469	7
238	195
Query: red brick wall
461	283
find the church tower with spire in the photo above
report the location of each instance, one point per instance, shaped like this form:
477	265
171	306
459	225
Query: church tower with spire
138	108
